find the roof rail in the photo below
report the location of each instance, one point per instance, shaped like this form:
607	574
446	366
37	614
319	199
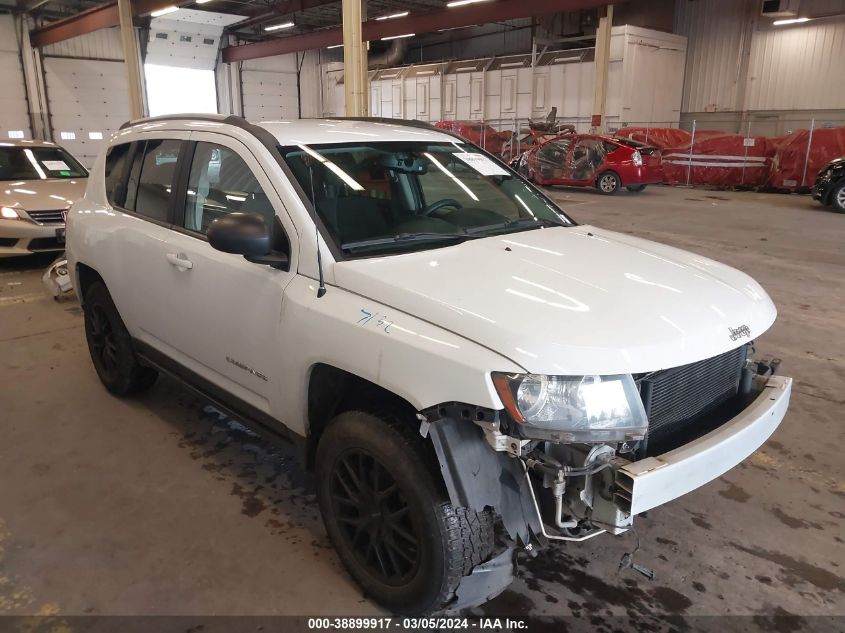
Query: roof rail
229	119
379	119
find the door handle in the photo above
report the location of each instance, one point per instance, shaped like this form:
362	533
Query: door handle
180	260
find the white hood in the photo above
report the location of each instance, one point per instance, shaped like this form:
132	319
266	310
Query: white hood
42	195
572	301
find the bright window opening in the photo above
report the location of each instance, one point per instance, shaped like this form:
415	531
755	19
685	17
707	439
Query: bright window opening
68	136
174	90
16	134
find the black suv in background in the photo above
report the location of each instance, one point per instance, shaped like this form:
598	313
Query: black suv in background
830	185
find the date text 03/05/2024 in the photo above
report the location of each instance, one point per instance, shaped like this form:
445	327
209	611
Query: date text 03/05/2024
414	624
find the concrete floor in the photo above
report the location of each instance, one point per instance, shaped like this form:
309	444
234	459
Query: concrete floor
155	505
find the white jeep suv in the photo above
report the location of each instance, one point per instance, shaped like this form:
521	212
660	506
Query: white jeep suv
468	370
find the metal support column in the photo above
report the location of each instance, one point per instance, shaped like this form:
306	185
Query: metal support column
36	90
602	68
132	59
354	59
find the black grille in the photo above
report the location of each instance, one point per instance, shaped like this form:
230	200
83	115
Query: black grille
47	217
45	244
675	398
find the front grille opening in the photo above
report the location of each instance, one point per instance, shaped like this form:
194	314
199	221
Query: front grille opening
45	244
686	402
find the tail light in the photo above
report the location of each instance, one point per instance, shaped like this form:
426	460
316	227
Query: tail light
637	158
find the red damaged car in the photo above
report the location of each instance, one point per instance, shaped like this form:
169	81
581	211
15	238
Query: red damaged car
589	160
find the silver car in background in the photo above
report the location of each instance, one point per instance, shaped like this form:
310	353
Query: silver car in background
38	182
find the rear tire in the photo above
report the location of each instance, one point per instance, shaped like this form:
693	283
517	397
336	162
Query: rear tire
390	519
635	188
110	346
608	183
837	198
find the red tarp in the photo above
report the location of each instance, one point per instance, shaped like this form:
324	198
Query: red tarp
723	160
791	153
662	137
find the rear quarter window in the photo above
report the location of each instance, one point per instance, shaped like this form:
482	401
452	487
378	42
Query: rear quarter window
115	174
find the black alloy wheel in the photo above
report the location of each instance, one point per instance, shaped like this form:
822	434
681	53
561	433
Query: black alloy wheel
375	517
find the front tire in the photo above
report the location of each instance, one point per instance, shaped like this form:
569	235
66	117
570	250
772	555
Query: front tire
110	346
608	183
837	198
389	520
635	188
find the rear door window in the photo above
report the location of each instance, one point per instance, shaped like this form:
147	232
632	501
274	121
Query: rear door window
150	189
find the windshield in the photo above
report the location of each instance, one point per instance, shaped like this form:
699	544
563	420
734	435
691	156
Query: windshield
393	196
38	163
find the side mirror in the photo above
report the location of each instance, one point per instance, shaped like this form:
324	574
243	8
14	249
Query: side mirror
240	233
246	234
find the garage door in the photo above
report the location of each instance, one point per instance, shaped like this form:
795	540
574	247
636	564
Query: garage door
88	101
15	120
269	89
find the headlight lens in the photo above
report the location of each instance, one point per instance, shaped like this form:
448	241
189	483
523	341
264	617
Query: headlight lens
574	408
8	213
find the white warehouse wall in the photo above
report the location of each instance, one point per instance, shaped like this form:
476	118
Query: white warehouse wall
13	103
86	91
645	85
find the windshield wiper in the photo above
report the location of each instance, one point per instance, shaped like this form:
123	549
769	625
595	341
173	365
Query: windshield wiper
407	237
521	223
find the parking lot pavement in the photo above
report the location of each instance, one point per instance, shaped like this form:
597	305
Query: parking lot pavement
159	505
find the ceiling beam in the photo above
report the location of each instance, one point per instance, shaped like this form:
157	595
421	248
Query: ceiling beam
93	19
277	10
467	15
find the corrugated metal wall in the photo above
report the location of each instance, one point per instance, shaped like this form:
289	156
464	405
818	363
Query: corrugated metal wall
798	68
738	61
715	30
13	103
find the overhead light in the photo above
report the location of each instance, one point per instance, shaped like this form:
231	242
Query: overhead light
790	21
512	64
426	72
460	3
276	27
335	46
393	15
164	11
464	69
202	1
396	37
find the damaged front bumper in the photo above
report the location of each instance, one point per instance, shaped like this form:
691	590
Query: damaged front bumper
604	491
653	481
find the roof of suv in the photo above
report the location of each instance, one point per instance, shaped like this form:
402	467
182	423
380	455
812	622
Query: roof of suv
308	131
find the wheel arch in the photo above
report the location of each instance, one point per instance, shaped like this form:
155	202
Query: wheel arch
85	278
332	390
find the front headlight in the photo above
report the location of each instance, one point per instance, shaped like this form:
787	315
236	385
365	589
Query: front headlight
573	408
8	213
